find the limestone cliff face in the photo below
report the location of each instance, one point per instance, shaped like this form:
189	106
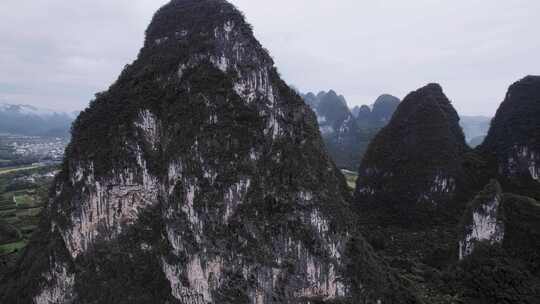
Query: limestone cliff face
198	177
504	221
415	161
483	220
514	133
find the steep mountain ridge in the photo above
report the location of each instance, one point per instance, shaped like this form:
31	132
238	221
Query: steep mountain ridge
414	163
513	142
500	229
198	177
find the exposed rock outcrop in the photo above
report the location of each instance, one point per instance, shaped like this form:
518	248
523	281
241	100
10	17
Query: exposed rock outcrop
483	221
499	247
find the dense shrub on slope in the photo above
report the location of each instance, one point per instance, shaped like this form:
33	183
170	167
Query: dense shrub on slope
413	167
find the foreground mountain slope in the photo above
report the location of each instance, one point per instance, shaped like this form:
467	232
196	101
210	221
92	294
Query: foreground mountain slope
513	141
499	245
199	177
408	194
499	248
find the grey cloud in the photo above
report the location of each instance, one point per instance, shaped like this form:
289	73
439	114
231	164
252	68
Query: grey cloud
58	53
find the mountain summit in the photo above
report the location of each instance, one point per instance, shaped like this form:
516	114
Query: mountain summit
513	140
414	162
198	177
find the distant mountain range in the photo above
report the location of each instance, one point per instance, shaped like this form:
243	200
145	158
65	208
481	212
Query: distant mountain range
475	128
377	115
33	121
347	132
345	135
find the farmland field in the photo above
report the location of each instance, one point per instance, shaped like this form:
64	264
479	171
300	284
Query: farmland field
351	178
23	191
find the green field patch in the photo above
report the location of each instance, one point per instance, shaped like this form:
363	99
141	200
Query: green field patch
12	247
7	206
22	192
21	204
8	213
24	201
16	169
8	196
27	230
30	212
14	220
351	178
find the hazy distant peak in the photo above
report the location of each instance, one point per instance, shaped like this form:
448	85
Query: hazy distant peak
386	98
30	110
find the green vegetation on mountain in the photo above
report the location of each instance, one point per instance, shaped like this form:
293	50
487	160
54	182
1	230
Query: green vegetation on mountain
502	267
513	143
200	176
418	180
495	235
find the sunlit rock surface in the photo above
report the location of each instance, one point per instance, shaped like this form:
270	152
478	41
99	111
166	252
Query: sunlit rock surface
483	221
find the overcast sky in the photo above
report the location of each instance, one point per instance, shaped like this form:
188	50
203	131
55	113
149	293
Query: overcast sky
57	54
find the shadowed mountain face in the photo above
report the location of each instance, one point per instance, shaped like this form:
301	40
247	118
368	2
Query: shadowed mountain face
500	228
513	142
414	164
199	177
414	182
